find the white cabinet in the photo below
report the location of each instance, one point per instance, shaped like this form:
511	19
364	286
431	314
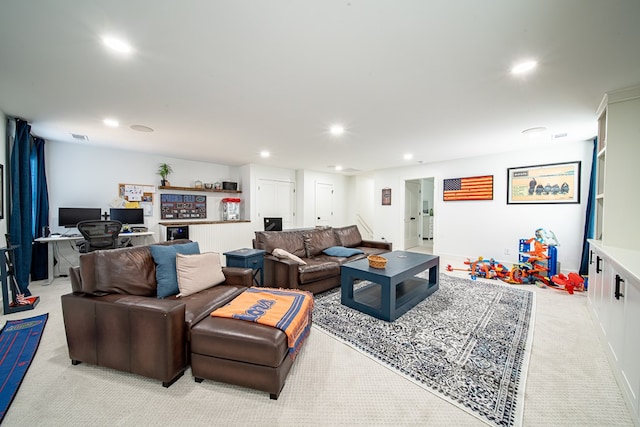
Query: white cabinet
614	303
630	345
594	293
427	227
617	222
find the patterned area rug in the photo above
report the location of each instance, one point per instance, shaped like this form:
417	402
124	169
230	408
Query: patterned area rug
469	343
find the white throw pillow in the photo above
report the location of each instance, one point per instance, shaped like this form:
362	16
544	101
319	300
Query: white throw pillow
281	253
198	272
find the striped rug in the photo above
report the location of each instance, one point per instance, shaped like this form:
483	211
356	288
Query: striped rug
19	341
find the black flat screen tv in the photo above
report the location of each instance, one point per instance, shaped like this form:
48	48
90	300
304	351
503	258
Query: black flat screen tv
272	224
70	217
133	216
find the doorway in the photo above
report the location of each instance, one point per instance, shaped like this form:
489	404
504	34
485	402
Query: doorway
412	213
324	204
426	215
276	199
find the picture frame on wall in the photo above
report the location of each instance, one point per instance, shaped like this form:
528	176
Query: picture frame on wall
386	197
544	184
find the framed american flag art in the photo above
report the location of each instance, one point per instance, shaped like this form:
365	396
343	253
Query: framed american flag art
470	188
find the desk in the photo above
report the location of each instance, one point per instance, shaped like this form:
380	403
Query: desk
53	241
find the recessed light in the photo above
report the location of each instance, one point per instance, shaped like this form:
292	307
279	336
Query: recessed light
336	130
116	44
112	123
141	128
524	67
265	154
80	137
338	168
408	156
535	130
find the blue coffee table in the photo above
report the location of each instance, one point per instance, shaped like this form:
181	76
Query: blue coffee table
393	290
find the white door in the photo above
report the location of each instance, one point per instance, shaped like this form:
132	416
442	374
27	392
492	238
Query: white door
412	213
276	199
324	204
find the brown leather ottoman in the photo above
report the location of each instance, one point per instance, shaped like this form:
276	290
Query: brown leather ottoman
239	352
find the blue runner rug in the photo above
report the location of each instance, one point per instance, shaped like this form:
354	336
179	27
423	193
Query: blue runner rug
19	341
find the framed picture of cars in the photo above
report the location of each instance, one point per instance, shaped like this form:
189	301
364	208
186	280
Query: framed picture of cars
539	184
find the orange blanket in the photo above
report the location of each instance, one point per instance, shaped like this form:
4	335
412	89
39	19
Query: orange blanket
286	309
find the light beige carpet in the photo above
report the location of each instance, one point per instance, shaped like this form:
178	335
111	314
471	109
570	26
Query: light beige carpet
569	384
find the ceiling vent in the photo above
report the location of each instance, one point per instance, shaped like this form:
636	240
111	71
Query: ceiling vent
80	137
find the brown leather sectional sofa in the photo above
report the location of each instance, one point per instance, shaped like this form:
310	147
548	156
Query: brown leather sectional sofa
113	318
321	271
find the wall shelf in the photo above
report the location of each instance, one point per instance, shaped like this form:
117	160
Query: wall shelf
196	222
205	190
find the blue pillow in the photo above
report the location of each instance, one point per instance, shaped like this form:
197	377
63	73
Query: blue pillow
165	259
341	251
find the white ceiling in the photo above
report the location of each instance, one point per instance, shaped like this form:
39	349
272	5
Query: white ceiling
219	81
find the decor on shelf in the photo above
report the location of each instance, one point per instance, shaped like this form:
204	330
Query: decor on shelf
164	169
471	188
540	184
197	189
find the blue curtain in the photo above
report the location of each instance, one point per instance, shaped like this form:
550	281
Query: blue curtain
20	221
40	210
589	221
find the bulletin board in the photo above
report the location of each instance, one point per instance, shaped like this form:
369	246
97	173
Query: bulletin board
183	206
136	192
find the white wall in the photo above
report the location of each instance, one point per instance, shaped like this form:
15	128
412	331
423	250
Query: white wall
85	176
307	186
258	172
486	228
361	206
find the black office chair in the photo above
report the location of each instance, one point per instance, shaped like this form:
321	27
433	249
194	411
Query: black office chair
99	235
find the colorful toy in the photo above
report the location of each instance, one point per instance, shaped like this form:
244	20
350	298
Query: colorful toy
537	264
572	282
488	269
537	259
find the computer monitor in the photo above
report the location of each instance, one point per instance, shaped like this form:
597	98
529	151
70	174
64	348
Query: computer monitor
132	216
70	217
272	224
175	233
